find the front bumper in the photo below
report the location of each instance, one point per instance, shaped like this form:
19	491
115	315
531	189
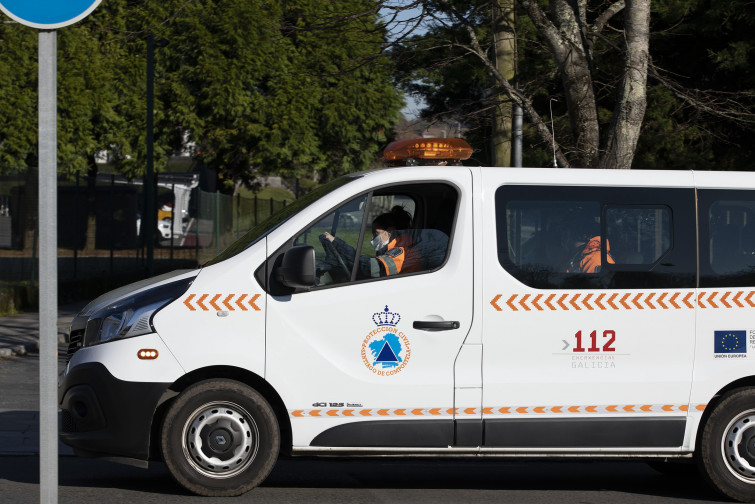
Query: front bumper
104	416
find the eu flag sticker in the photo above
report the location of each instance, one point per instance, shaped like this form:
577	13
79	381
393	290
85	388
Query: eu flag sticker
730	342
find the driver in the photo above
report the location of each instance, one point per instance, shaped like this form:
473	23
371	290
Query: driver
392	243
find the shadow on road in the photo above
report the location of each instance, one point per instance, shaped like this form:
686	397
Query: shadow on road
627	478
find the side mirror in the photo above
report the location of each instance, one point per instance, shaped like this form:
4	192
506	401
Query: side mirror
297	269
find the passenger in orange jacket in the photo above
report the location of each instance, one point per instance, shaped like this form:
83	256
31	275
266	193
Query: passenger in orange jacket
393	246
587	259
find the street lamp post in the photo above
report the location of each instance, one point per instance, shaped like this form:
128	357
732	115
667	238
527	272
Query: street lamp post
148	219
149	176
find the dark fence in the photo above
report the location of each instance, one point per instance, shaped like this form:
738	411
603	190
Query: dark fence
100	236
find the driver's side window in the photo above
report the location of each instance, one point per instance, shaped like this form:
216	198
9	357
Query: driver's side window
334	264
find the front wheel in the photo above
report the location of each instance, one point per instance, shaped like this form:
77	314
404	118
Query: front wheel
728	446
220	438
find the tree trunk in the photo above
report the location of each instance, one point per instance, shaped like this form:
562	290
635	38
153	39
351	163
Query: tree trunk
566	41
505	55
629	113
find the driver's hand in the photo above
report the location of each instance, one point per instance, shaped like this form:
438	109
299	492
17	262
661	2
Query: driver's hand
328	236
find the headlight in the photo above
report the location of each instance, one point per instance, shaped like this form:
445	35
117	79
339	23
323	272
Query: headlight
131	316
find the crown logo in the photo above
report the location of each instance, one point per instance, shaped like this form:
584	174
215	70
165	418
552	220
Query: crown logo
386	318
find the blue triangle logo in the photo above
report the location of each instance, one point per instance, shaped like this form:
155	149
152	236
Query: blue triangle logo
386	354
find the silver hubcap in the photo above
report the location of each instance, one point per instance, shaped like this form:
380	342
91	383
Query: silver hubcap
738	446
220	439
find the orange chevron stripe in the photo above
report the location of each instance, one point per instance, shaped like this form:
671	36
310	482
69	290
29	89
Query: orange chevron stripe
700	298
187	302
649	300
686	300
599	298
535	301
226	302
239	302
253	301
213	302
711	299
560	302
660	300
510	302
723	299
610	301
736	299
548	302
673	300
585	302
573	302
523	302
494	302
749	302
200	300
489	410
623	301
638	305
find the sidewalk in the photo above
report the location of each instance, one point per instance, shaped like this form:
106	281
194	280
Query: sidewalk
19	334
19	380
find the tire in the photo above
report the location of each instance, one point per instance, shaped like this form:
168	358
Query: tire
727	446
220	438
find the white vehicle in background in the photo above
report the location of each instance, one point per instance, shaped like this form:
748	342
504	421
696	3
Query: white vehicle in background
528	312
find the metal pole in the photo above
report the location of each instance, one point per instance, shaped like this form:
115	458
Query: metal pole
516	140
48	267
149	214
217	222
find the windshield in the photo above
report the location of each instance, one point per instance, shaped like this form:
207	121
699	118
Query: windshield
264	227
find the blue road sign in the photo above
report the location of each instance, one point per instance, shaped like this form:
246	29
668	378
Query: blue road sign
48	14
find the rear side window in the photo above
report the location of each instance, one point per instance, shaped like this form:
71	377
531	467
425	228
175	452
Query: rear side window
727	238
591	238
640	235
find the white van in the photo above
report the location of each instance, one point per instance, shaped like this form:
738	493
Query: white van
512	312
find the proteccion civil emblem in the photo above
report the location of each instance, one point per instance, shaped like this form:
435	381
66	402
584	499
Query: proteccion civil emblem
386	350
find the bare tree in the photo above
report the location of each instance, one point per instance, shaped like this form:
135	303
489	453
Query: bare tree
571	37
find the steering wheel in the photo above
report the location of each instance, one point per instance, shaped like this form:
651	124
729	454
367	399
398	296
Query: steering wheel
330	249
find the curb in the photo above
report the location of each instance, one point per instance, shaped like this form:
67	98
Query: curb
23	349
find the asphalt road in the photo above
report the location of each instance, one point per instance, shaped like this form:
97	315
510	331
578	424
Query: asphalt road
340	480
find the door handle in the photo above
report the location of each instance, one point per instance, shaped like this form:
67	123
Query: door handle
437	325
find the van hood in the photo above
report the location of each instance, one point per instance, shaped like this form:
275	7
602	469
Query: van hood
135	288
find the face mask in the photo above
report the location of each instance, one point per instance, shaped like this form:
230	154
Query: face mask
378	244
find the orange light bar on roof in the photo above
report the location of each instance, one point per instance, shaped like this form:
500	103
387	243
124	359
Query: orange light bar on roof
427	148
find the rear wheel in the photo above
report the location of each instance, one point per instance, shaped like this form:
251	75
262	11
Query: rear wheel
728	446
220	438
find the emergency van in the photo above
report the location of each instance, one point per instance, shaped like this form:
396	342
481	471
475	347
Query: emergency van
513	312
